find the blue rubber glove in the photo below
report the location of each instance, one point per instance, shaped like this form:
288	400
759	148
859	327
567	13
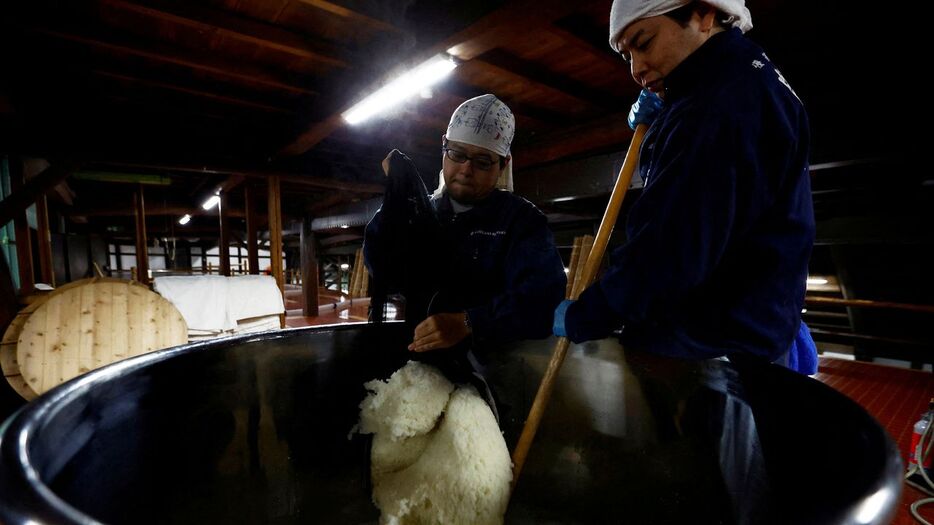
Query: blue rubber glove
560	311
645	109
803	354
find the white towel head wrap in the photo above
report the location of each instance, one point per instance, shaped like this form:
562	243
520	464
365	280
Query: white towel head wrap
625	12
485	122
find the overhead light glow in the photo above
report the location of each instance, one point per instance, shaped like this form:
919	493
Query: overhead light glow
345	266
816	280
184	220
345	226
211	202
411	83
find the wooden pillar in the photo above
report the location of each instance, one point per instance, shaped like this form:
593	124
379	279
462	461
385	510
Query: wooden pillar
204	257
275	235
142	250
27	280
44	235
252	242
223	243
309	270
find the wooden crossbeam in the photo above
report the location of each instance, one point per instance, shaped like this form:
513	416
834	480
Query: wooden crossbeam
192	92
291	178
236	27
604	132
39	185
204	62
505	63
353	16
493	30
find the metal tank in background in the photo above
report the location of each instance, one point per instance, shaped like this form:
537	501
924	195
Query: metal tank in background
257	429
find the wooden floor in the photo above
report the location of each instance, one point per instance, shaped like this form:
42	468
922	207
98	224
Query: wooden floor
896	397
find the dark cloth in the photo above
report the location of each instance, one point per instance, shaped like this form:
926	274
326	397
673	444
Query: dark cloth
496	261
718	242
399	258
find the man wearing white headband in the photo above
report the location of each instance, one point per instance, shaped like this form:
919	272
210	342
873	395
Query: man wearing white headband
500	275
718	243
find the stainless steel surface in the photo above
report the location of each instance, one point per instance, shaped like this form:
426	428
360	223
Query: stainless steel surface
254	429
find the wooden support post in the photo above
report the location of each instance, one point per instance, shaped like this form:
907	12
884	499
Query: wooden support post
223	243
142	249
44	235
309	270
275	235
27	280
252	242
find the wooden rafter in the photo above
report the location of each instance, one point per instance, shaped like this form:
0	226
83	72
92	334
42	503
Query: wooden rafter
491	31
193	92
208	63
238	28
604	132
602	55
505	63
292	178
19	200
352	16
151	211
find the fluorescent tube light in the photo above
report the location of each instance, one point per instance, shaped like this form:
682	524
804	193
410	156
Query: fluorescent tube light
184	220
409	84
211	202
816	280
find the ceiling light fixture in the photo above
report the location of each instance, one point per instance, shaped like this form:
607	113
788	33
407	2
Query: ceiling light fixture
184	220
211	202
816	280
411	83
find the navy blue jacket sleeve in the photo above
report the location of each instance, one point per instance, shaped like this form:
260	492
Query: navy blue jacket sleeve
534	285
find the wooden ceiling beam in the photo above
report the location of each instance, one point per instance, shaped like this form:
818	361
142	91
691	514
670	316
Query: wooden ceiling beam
353	16
223	99
602	55
237	27
157	210
166	109
507	64
292	178
208	63
41	184
605	132
491	31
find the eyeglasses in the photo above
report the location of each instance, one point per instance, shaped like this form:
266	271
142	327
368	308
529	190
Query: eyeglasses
481	163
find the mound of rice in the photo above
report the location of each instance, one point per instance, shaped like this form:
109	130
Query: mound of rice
438	455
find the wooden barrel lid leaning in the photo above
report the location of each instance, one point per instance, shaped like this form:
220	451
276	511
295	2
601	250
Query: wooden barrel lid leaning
8	361
86	325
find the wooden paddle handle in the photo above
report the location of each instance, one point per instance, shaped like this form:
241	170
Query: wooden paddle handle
590	272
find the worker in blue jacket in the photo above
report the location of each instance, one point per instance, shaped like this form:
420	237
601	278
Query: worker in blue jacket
498	276
718	243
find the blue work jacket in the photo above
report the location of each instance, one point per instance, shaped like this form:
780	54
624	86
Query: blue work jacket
718	243
498	262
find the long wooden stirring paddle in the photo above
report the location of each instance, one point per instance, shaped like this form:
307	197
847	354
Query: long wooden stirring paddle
586	277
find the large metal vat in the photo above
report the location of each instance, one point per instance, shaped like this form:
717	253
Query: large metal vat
254	429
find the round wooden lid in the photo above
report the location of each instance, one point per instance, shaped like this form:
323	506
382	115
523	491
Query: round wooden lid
91	325
8	361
